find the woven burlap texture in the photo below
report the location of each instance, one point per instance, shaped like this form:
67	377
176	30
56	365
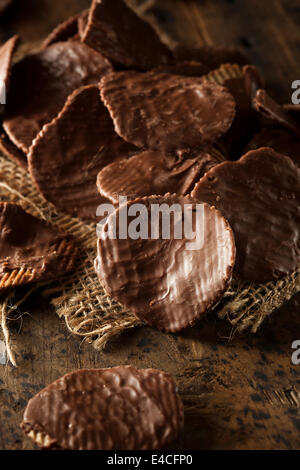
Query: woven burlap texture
87	310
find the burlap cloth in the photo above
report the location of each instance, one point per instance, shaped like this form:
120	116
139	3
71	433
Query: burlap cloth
87	310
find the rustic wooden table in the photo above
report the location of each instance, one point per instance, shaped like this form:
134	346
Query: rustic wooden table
239	393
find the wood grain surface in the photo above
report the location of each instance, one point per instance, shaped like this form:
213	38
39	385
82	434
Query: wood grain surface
240	391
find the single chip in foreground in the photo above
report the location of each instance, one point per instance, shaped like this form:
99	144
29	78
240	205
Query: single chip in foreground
152	172
68	153
117	32
167	112
31	250
259	195
122	408
167	275
42	82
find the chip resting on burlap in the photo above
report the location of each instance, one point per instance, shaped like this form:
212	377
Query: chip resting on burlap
80	300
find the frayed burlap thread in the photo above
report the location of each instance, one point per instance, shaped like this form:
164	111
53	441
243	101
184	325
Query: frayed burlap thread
80	300
247	306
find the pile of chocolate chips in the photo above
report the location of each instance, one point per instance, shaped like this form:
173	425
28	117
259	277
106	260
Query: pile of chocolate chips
104	109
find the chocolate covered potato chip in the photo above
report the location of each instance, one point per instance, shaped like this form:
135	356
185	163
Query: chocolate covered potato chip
42	82
167	112
11	151
117	32
70	151
31	250
68	29
122	408
260	197
154	172
277	115
174	268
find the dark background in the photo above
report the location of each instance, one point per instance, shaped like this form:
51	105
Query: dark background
240	392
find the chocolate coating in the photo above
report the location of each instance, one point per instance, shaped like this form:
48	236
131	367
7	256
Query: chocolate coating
69	152
260	196
153	172
11	151
275	113
66	30
117	32
211	56
41	84
165	284
31	250
166	112
122	408
279	139
243	87
6	55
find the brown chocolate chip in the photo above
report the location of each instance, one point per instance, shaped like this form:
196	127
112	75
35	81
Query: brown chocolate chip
117	32
69	152
243	88
122	408
167	112
275	113
31	250
11	151
259	195
42	82
242	83
165	282
66	30
153	172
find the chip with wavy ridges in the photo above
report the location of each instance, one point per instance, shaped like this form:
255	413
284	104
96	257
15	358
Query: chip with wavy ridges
259	195
31	250
122	408
164	281
167	112
116	31
152	172
42	82
68	153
